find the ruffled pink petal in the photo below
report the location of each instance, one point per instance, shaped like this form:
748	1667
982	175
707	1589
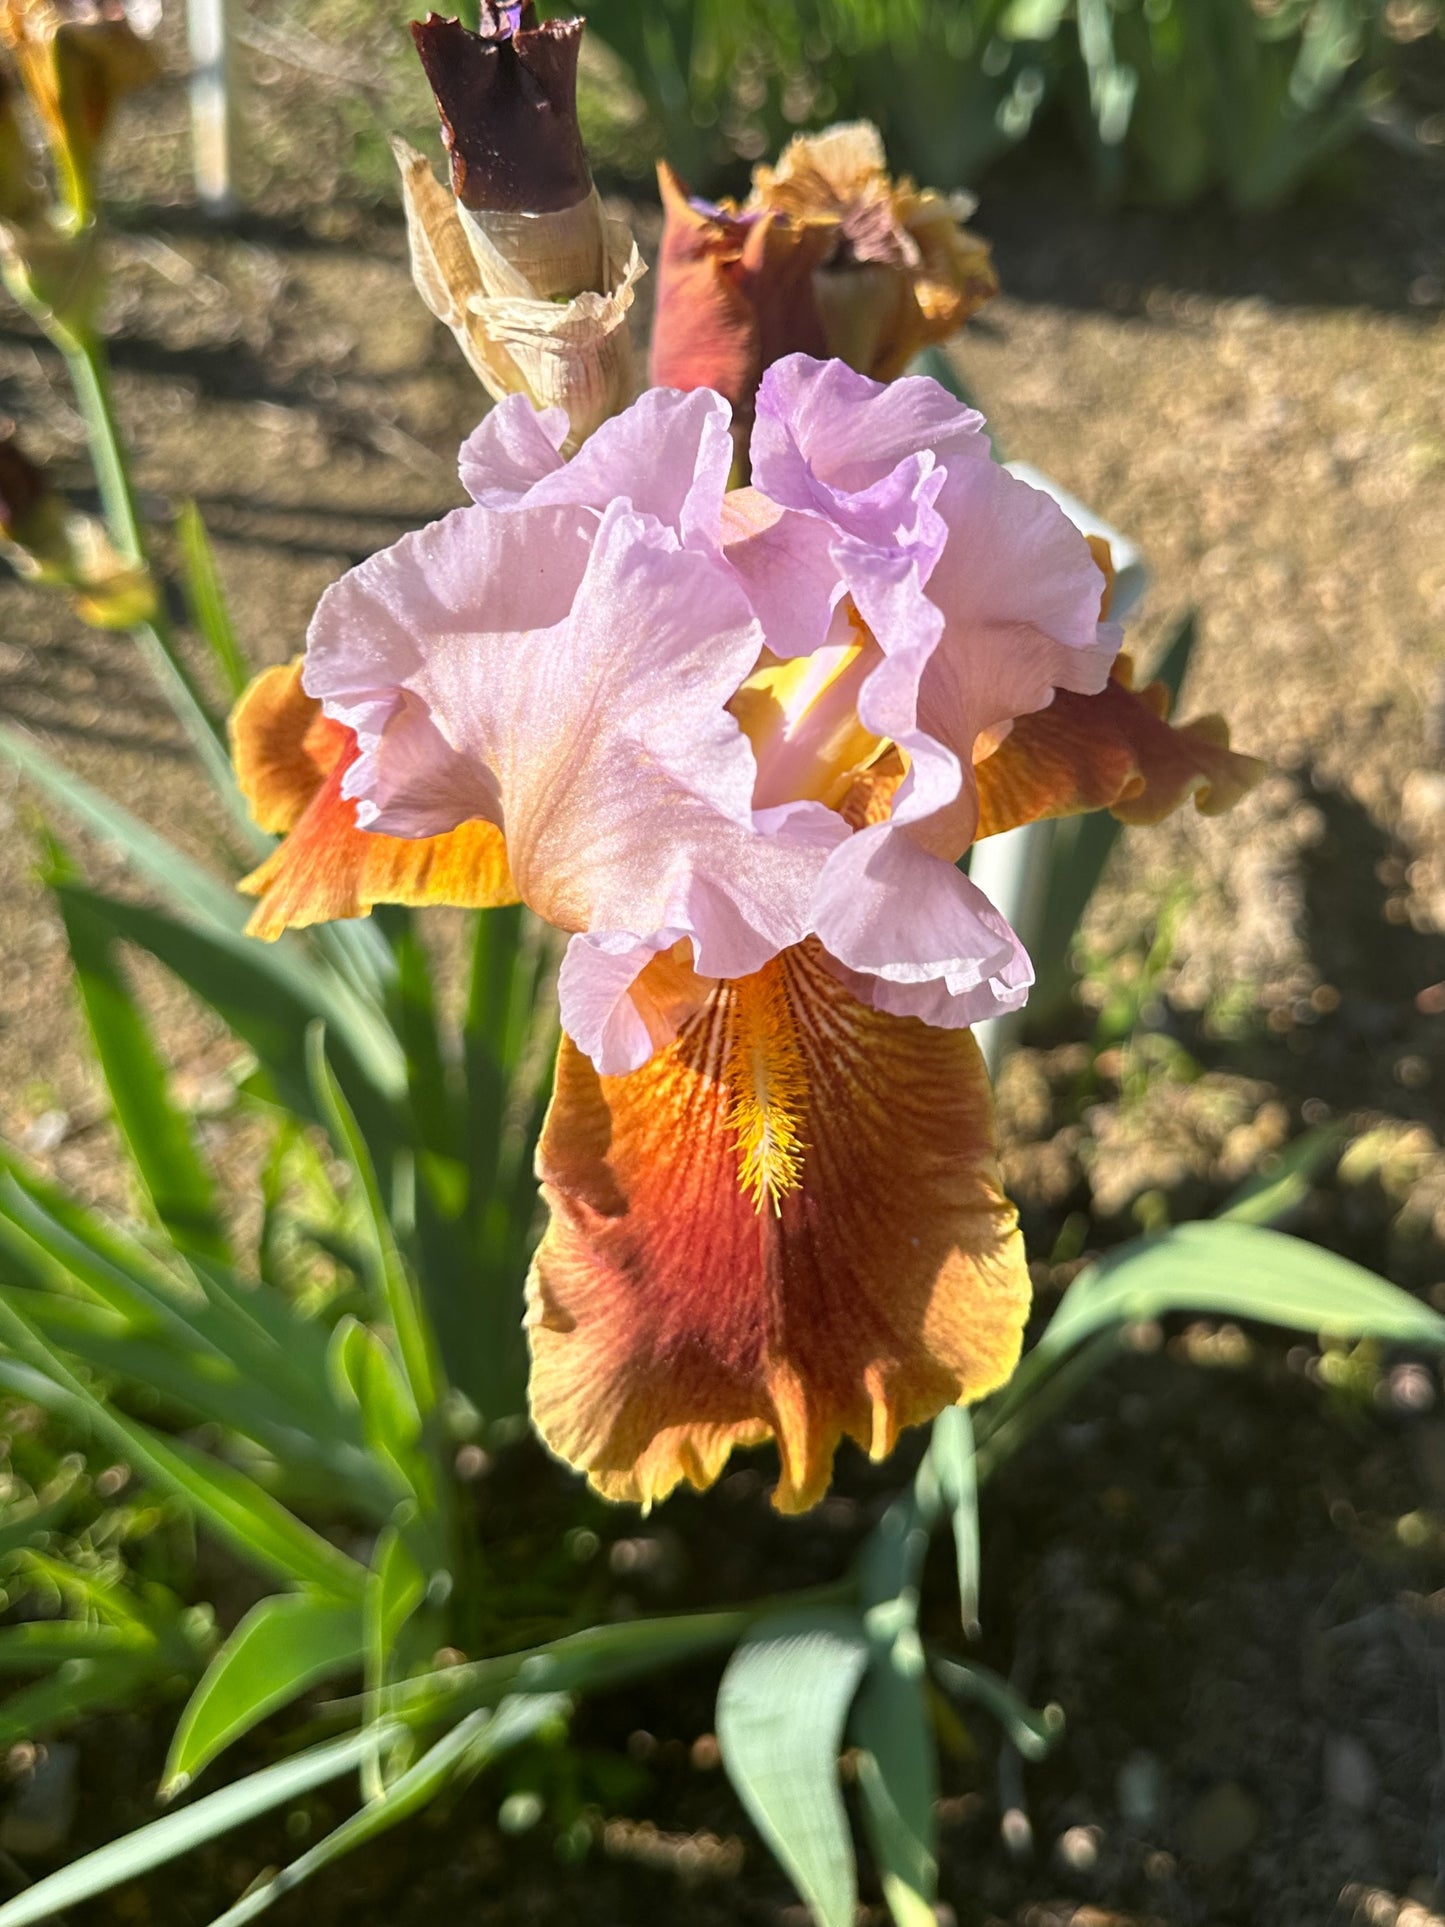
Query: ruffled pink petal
983	600
908	623
622	1001
471	570
845	470
668	455
1013	558
600	741
511	449
858	452
1019	593
914	936
424	781
595	993
785	562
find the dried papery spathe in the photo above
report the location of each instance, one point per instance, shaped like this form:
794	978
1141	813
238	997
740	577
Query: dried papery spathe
574	354
519	259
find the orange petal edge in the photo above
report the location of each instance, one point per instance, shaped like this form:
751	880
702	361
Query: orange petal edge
290	761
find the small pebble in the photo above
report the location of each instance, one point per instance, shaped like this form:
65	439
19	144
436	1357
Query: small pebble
1350	1777
1412	1389
42	1808
519	1812
1017	1833
1140	1790
1222	1824
1078	1849
47	1133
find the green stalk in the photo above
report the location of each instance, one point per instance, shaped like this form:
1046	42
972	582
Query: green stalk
594	1660
88	364
1032	1398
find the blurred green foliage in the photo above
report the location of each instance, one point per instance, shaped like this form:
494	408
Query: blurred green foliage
1169	99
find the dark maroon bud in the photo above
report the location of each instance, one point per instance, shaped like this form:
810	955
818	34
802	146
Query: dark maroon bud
508	103
22	489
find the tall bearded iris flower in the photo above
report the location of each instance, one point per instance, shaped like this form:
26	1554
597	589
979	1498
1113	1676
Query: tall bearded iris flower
734	744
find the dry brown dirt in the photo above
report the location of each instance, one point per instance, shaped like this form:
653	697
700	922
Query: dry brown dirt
1212	1566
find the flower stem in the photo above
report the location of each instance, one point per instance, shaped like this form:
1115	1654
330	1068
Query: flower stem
90	374
1033	1397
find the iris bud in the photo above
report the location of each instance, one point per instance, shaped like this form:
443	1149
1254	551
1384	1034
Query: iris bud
46	541
828	255
77	59
518	258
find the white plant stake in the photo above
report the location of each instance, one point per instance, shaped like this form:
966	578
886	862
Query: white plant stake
1012	869
210	106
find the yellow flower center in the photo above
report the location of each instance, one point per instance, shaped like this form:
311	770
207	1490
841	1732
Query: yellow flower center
801	717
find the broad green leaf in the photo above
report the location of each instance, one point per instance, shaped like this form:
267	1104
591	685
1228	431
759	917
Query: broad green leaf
781	1710
207	598
1271	1195
204	1387
396	1586
176	1833
898	1779
507	1056
585	1662
260	1330
53	1238
892	1555
389	1275
207	904
1032	1733
236	1508
159	1137
282	1647
397	1636
470	1747
240	1355
366	1373
42	1644
493	1026
396	1589
411	1005
1233	1270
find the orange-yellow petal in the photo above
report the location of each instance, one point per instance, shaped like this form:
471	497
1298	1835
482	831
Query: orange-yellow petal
282	746
1115	751
789	1224
290	761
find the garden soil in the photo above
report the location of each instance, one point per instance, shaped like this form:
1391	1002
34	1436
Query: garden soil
1225	1562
